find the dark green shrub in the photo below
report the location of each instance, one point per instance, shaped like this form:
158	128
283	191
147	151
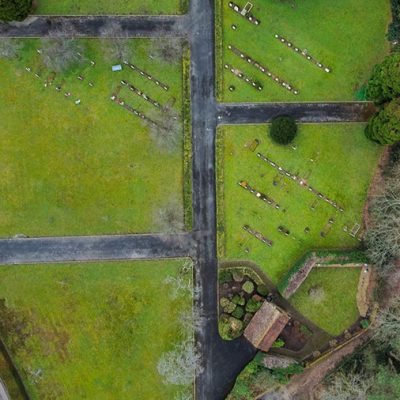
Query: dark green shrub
229	327
248	287
282	375
14	10
225	276
283	129
262	290
238	312
253	305
364	323
239	300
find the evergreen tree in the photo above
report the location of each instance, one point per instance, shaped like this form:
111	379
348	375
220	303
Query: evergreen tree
384	127
14	10
384	84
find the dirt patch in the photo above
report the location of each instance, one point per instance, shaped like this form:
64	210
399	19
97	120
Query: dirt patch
295	335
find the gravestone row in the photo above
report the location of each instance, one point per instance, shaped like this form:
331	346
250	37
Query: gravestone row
241	75
303	52
146	75
300	181
259	195
141	94
245	15
258	235
263	69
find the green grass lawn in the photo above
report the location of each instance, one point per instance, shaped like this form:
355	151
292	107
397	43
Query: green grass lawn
343	165
93	331
348	36
337	310
91	7
93	168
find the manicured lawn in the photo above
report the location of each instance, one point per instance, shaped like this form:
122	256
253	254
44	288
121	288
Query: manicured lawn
342	167
337	311
78	7
88	169
93	331
347	36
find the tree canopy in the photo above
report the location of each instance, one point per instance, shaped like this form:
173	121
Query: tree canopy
384	127
384	84
14	10
283	129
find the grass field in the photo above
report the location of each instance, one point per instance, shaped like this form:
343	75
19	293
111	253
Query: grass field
347	36
337	310
77	7
92	331
93	168
342	168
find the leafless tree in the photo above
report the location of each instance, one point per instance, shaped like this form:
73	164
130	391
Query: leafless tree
166	50
180	365
167	134
388	327
169	218
347	386
383	239
117	45
10	48
61	54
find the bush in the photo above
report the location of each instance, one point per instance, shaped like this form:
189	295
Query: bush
262	290
248	287
14	10
283	130
238	275
225	276
253	305
239	300
364	323
238	312
227	305
278	344
230	327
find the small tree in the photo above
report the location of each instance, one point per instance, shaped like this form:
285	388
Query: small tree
283	129
14	10
384	127
116	42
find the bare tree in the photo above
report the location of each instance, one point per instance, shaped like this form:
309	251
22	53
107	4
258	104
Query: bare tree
169	219
383	239
10	48
166	50
116	42
347	386
61	54
180	365
167	134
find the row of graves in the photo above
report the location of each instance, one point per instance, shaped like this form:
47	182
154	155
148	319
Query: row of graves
116	98
245	12
354	230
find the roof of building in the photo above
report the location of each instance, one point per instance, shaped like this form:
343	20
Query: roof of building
266	326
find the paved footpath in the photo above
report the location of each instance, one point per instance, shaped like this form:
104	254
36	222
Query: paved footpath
3	391
88	248
258	113
93	26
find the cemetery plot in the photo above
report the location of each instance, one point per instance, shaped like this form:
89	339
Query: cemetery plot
73	331
73	162
315	49
328	298
335	158
105	7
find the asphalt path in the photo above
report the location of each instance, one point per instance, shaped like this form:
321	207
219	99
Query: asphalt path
90	248
3	391
94	26
258	113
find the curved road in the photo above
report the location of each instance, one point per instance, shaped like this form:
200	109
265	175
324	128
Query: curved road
222	360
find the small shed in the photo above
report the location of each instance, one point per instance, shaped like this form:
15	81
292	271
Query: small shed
116	68
266	325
